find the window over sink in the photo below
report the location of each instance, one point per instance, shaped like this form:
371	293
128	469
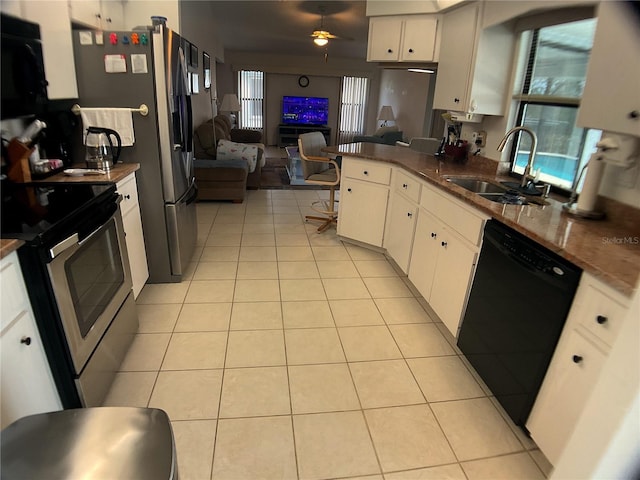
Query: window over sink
553	64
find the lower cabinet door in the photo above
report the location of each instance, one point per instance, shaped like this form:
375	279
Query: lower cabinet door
27	384
572	373
136	249
452	279
424	255
362	213
399	230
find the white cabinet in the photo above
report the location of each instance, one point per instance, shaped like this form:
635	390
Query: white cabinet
441	267
364	194
410	38
592	325
104	15
401	218
27	386
133	230
474	65
57	45
445	249
610	100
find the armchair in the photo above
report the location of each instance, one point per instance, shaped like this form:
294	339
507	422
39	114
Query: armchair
205	146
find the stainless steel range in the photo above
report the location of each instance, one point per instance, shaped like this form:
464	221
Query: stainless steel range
77	273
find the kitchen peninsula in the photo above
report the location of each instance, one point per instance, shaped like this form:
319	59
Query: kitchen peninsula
607	249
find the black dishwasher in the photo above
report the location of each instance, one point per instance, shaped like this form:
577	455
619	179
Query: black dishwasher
519	301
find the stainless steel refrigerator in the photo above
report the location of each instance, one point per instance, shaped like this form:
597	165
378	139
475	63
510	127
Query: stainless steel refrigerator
155	64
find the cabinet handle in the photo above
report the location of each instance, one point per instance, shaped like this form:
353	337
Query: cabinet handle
456	100
601	319
389	51
409	214
98	16
411	50
108	19
366	172
405	186
127	197
634	114
348	189
577	359
434	235
444	244
26	341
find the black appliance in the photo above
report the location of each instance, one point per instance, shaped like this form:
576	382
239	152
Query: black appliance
24	87
519	301
77	274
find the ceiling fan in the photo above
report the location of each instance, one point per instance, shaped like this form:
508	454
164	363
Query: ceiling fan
321	36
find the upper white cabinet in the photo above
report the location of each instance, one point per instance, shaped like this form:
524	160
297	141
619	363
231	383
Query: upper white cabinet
27	386
474	64
411	38
57	46
102	14
610	100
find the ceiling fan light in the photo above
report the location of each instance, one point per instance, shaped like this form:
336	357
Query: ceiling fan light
320	41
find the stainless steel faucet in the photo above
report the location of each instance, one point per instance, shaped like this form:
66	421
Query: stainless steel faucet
532	153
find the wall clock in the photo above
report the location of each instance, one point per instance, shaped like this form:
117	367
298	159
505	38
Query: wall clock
303	81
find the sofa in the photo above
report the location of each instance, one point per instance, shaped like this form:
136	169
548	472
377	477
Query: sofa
224	179
385	135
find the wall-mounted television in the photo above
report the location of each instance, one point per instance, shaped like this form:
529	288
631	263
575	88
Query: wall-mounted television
305	110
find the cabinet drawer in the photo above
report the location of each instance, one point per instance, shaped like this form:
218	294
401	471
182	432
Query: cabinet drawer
407	185
466	223
14	296
367	171
128	189
600	314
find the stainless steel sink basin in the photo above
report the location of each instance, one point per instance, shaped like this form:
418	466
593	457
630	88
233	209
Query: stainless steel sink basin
494	191
476	185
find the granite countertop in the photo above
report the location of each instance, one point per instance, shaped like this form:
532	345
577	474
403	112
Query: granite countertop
118	172
8	246
608	249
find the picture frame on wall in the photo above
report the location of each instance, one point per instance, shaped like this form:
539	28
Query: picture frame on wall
206	70
194	56
195	87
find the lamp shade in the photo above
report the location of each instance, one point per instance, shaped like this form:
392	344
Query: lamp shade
386	113
230	103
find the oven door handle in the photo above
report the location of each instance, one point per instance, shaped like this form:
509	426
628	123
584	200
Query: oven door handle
64	245
74	240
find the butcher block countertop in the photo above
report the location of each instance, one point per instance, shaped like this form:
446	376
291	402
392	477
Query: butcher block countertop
8	246
118	172
608	249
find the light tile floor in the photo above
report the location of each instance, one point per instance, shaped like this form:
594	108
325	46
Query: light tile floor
289	354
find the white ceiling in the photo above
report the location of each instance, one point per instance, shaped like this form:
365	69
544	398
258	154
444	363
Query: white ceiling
285	26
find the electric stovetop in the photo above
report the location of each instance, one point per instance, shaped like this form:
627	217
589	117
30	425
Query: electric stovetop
42	212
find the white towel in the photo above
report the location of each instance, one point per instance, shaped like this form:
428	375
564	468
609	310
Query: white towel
118	119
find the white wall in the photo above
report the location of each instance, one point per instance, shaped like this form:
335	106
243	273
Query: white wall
139	12
282	72
408	94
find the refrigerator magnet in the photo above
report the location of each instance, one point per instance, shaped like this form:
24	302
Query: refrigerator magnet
115	63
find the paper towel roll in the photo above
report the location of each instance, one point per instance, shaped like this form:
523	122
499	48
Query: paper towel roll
589	194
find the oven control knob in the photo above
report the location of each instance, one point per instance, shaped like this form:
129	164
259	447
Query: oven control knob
26	340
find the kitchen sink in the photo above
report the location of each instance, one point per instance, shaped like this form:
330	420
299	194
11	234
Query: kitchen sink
476	185
495	192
